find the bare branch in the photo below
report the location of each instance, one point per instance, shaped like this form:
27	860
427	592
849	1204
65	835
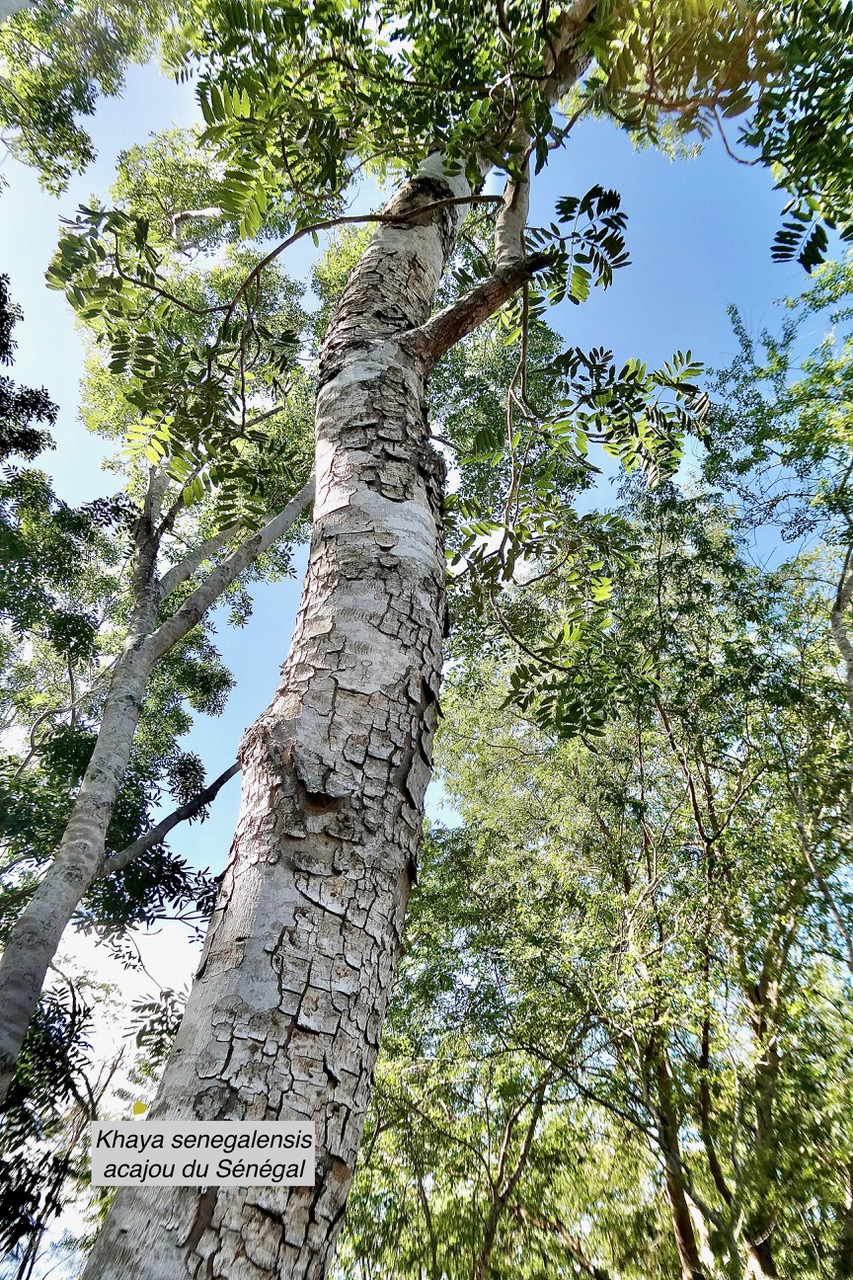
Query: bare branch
118	861
196	605
185	568
572	1243
193	215
511	221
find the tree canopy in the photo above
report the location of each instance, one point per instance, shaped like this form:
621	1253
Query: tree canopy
619	1043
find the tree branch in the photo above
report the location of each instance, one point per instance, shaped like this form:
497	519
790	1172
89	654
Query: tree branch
443	330
328	224
118	861
196	605
193	215
571	1242
185	568
512	220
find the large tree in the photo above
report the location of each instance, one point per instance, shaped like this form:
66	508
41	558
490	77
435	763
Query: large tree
620	1041
285	1014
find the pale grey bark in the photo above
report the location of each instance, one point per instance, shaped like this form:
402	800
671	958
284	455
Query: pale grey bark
33	941
208	592
193	215
512	220
284	1017
78	860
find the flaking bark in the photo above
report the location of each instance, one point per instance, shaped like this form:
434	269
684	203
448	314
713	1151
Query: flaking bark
284	1017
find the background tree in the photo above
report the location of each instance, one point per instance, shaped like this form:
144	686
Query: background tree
781	432
56	60
172	546
608	920
63	603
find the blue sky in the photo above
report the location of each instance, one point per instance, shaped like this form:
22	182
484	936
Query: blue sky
699	233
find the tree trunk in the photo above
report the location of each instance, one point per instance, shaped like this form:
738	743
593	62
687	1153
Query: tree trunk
285	1013
35	937
284	1017
682	1223
844	1265
764	1005
79	858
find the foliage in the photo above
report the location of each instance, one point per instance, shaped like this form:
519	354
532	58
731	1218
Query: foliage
784	72
608	925
55	60
51	1097
802	127
781	434
20	407
42	542
689	65
523	420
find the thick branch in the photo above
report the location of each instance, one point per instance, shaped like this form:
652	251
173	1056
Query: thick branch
705	1115
196	605
193	215
185	568
511	221
524	1154
118	861
449	326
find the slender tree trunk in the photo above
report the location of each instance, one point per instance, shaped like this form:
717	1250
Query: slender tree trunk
764	1005
843	596
572	1243
505	1187
844	1265
35	937
841	636
682	1223
79	858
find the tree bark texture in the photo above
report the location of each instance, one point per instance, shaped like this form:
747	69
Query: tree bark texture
284	1018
